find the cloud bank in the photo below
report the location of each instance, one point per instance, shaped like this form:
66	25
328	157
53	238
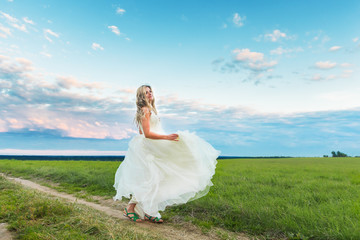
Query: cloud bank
67	111
254	62
34	104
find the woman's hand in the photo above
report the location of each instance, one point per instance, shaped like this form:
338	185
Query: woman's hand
173	137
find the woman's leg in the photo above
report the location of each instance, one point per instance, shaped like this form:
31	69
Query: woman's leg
133	206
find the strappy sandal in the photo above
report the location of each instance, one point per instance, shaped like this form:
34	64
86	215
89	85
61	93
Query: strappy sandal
153	219
134	216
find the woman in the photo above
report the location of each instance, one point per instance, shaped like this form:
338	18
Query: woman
159	169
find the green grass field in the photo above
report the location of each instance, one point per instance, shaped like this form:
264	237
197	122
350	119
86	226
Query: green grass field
296	198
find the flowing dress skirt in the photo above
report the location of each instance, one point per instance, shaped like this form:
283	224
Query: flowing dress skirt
161	173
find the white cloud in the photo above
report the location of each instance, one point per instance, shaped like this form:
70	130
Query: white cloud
324	38
51	33
280	50
14	69
120	11
238	20
3	58
48	32
325	65
262	65
9	18
345	65
4	31
246	59
247	55
317	39
345	74
27	20
330	77
20	27
46	54
96	46
253	61
355	39
71	82
128	90
25	63
317	77
14	22
275	36
334	48
348	71
114	29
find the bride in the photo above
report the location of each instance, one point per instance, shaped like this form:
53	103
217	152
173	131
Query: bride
159	169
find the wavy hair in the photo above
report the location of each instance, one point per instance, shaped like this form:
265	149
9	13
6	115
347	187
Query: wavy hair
141	101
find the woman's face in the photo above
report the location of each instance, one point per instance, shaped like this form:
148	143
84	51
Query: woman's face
149	94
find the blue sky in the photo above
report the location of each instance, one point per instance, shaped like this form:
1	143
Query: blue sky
254	78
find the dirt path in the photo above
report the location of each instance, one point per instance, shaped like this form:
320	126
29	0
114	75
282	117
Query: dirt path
186	231
4	233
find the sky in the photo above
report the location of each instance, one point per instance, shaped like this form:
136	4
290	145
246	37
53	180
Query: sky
253	78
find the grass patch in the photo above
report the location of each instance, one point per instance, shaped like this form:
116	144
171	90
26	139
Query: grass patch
296	198
301	198
31	215
81	177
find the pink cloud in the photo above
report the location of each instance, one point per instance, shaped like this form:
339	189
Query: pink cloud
247	55
335	48
4	31
325	65
32	103
262	65
71	82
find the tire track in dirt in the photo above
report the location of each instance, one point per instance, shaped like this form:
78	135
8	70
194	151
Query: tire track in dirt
189	232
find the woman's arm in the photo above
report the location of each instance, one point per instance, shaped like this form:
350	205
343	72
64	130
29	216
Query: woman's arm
146	128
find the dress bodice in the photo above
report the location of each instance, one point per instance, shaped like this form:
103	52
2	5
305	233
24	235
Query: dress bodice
155	124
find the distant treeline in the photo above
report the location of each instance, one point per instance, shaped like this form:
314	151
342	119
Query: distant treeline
93	158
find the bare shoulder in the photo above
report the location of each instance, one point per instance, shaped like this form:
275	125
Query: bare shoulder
145	110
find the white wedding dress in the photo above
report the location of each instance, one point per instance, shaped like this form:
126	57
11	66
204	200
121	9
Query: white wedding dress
161	173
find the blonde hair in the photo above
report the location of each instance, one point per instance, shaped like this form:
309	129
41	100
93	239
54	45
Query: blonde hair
142	101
